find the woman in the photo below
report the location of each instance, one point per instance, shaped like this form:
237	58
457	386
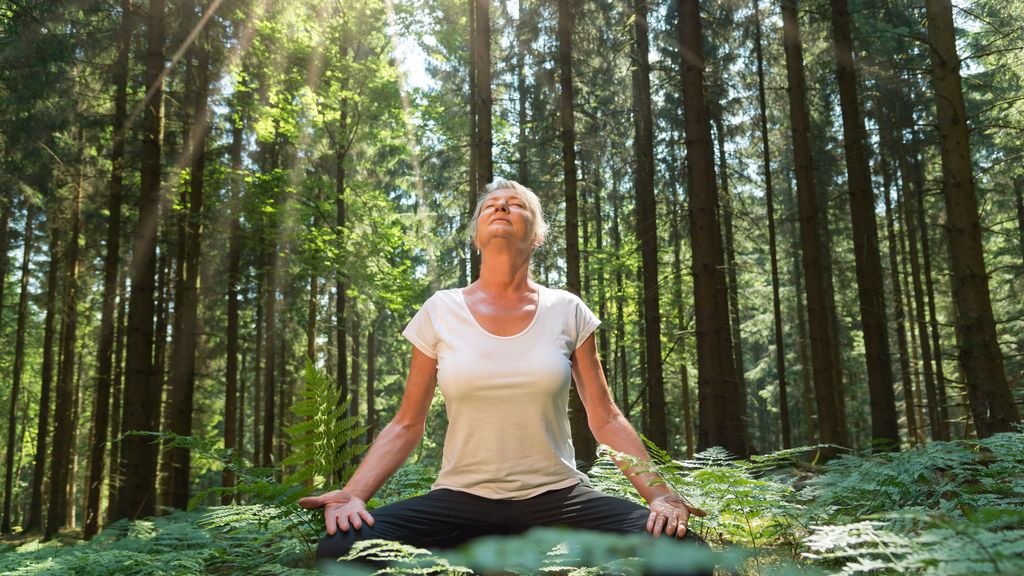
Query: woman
501	351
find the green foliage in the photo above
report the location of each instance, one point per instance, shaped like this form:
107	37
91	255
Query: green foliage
324	441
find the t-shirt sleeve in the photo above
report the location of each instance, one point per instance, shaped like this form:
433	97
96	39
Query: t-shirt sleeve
421	330
585	322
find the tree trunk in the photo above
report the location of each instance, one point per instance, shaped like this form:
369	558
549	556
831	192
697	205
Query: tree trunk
111	264
901	328
353	407
810	237
647	226
35	510
871	289
257	379
621	365
681	323
341	339
523	140
942	420
371	383
183	352
766	163
137	497
17	369
992	402
232	429
116	405
583	440
907	211
269	358
719	395
62	434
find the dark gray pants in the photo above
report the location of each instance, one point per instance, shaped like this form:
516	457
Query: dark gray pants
446	518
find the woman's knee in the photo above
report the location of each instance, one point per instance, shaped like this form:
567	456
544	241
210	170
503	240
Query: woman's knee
334	546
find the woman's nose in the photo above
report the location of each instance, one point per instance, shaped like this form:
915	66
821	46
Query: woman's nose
501	205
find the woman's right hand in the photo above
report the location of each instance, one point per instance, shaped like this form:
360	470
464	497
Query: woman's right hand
341	510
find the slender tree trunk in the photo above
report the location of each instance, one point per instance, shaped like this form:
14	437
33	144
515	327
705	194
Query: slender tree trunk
341	338
183	353
871	289
474	144
76	417
137	497
353	407
62	434
257	379
647	225
111	264
269	358
807	387
116	405
677	275
897	291
371	382
523	141
726	212
942	420
17	369
481	167
621	366
583	440
604	346
232	429
992	402
1018	190
810	236
719	396
766	163
910	224
35	510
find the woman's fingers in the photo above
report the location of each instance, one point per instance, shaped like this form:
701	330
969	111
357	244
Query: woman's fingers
366	516
697	511
311	502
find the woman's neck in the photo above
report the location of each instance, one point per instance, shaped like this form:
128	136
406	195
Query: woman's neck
504	272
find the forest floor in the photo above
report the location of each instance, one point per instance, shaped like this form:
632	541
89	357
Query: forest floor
949	508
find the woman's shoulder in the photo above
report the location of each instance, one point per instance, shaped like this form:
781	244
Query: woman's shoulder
559	296
442	298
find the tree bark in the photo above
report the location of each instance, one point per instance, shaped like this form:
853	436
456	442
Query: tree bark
908	213
116	405
583	440
900	320
232	428
62	434
871	290
720	399
17	369
647	225
371	382
810	237
111	265
677	275
992	402
183	351
35	514
942	421
137	497
766	167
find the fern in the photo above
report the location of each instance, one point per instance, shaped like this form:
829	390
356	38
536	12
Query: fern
324	441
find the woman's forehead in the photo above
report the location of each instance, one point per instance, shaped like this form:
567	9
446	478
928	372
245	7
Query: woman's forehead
504	193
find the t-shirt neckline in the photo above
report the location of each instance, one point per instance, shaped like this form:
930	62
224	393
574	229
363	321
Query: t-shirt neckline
536	313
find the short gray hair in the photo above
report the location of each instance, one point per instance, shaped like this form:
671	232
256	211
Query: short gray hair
538	226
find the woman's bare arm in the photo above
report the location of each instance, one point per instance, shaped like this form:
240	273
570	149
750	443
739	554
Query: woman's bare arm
611	428
387	453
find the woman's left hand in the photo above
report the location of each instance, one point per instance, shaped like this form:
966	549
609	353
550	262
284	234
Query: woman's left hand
670	513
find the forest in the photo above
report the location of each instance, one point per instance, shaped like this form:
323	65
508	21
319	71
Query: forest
801	223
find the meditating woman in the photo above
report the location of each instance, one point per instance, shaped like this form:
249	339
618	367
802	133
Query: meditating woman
502	350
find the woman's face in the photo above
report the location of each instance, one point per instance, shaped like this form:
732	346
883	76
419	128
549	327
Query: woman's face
504	215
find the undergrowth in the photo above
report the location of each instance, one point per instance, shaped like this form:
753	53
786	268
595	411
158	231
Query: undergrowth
945	509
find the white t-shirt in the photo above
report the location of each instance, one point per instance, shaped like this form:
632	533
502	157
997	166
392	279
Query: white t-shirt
507	397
